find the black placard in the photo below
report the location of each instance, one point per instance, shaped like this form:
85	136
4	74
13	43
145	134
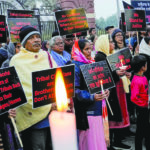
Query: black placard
11	13
135	20
94	73
43	85
127	6
11	91
15	24
71	21
123	23
3	37
123	55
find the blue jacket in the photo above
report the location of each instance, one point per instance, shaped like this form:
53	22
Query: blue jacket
84	102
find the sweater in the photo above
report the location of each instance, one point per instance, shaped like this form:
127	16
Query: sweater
139	91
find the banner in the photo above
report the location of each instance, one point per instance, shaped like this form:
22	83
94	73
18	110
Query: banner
142	5
71	21
11	91
120	58
95	73
135	20
3	36
17	19
11	13
127	6
43	85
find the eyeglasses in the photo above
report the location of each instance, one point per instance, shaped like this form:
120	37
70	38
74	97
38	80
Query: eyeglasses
59	43
119	35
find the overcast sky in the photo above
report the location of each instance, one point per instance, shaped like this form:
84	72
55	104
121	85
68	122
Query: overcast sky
105	8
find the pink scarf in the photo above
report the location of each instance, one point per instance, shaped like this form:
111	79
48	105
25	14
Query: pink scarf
77	55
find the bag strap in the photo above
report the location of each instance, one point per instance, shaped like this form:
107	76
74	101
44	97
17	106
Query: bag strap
49	59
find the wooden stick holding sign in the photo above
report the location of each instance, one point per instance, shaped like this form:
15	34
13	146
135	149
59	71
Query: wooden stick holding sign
137	37
16	130
129	38
101	82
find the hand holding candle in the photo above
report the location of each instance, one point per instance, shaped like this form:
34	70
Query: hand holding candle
101	82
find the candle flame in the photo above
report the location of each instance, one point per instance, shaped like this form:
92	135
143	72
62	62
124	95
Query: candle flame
121	61
60	91
101	81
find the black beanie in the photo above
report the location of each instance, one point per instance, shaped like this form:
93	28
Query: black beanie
26	32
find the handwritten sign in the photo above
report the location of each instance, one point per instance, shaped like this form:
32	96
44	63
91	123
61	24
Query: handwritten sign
43	84
11	91
135	20
11	13
3	37
121	57
71	21
15	24
94	73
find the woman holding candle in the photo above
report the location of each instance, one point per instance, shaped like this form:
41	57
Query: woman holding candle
117	99
88	108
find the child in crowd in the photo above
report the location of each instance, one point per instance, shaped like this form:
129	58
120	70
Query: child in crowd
139	96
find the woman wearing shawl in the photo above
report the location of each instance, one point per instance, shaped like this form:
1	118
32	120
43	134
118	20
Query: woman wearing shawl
117	98
88	108
60	56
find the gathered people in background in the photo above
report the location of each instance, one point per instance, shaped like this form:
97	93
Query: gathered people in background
3	55
57	51
93	39
45	45
92	31
68	43
118	39
117	99
13	48
88	107
140	97
32	123
109	29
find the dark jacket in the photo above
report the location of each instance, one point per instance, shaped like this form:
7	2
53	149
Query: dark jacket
113	99
83	99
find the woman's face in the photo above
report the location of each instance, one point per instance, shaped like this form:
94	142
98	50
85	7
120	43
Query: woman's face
47	45
119	38
87	51
18	47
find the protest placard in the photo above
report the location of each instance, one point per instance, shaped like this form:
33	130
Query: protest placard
135	20
11	91
120	58
43	85
71	21
142	5
3	37
95	73
17	19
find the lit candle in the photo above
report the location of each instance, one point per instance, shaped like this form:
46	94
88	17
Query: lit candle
121	62
62	124
101	81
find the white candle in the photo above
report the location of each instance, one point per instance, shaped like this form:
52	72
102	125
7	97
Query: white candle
121	62
63	130
62	124
102	86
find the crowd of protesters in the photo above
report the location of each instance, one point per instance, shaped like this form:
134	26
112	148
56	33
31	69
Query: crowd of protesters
97	128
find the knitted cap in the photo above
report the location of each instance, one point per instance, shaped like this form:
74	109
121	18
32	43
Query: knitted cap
115	32
26	32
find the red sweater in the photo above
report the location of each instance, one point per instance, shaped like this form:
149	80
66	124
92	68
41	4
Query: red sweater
139	91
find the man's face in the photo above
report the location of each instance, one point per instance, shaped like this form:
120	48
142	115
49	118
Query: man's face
33	43
93	32
69	42
58	46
